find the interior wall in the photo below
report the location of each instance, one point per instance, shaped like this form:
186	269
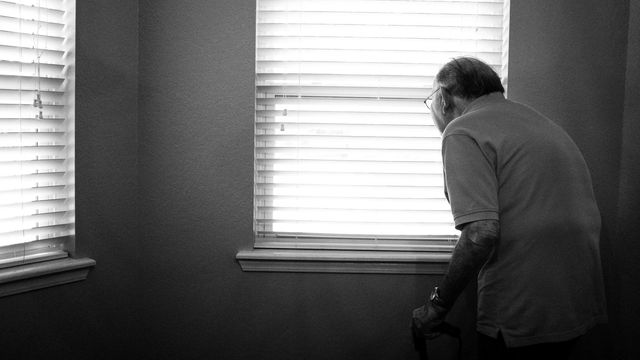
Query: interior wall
568	60
96	318
626	244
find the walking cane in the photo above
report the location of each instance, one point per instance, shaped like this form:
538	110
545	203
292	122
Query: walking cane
420	341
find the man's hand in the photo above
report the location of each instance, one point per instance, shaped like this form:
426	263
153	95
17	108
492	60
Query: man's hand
427	318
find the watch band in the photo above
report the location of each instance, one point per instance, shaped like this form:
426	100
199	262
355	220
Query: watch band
436	300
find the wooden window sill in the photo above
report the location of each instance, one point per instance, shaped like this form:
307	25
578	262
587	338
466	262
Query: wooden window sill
33	276
331	261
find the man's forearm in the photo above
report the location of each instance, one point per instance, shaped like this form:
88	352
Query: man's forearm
471	252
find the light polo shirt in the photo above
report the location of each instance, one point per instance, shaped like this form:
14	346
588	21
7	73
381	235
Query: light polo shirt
543	281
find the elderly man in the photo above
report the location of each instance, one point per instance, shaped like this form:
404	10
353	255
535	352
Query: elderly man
521	194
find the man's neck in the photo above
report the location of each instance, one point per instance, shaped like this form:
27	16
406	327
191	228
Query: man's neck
459	106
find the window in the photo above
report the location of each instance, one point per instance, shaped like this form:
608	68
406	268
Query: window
36	130
346	155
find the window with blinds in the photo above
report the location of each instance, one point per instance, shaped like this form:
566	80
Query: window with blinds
346	155
36	130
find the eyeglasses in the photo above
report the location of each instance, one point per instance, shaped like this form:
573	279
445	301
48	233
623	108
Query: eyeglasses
429	99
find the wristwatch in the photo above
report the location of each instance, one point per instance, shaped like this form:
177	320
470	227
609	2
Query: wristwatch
435	298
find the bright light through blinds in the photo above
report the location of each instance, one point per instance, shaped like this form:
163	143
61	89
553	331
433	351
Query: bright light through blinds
344	145
36	123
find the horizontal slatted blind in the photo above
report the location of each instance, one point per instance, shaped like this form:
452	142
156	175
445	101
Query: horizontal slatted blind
345	150
36	123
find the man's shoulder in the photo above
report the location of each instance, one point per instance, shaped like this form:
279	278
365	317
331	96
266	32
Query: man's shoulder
488	120
467	124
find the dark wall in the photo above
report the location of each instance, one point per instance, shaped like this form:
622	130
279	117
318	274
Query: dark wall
96	318
568	59
626	245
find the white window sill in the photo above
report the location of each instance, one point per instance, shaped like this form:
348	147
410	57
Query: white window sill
332	261
33	276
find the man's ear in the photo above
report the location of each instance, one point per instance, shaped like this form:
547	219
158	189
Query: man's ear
446	102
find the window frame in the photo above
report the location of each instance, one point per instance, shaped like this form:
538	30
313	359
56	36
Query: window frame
358	254
47	263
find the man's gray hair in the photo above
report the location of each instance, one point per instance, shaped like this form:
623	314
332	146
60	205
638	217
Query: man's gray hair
468	78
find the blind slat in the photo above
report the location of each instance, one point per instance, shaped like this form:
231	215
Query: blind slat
353	204
41	209
29	55
389	19
26	28
32	153
31	11
399	165
356	191
58	232
345	68
325	116
424	56
355	228
29	41
48	4
337	129
378	44
363	6
356	216
372	81
35	221
381	31
29	72
342	154
33	194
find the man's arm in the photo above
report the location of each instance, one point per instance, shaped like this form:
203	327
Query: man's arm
473	249
470	254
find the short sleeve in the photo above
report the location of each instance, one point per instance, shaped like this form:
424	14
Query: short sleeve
470	181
